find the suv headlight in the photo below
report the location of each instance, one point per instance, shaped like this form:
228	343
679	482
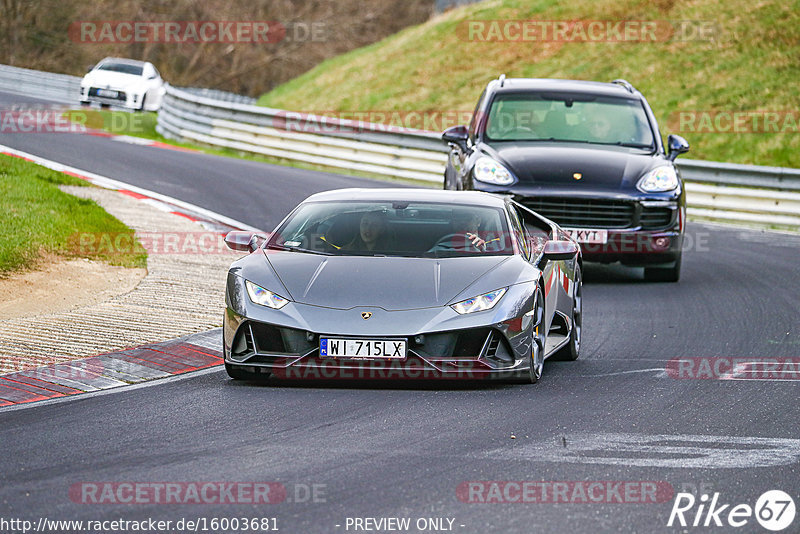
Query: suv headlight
261	296
479	303
488	170
659	180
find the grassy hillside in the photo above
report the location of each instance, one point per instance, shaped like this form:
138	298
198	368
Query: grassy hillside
752	64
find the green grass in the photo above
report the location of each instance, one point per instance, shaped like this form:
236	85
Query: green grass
751	65
38	219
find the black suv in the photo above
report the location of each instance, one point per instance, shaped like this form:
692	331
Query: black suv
587	155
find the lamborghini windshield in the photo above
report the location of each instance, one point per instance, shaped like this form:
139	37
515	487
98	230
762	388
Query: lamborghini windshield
568	118
409	229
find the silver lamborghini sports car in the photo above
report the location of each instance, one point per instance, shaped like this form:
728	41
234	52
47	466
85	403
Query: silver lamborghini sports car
403	283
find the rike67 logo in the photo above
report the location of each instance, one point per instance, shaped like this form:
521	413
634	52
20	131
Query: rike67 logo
774	510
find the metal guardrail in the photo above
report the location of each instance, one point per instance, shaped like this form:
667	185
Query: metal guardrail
216	94
65	89
735	174
760	207
61	88
748	194
343	144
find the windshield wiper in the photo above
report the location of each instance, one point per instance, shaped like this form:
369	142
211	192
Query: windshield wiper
365	253
586	141
298	249
635	145
543	140
620	143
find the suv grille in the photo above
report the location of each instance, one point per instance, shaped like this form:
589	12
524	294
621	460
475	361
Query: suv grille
584	213
652	218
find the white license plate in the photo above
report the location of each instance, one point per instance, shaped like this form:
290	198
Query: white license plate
107	93
389	349
588	236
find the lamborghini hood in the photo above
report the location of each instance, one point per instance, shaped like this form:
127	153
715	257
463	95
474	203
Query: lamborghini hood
391	283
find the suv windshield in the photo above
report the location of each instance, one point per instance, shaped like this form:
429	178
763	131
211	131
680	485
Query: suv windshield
409	229
568	117
124	68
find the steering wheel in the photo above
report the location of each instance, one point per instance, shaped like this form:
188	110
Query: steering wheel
452	241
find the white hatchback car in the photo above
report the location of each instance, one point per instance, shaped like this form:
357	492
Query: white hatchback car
123	82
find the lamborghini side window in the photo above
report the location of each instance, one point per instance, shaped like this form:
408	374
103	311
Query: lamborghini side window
519	230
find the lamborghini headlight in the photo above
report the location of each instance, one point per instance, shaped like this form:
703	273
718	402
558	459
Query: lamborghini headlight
489	171
479	303
659	180
262	297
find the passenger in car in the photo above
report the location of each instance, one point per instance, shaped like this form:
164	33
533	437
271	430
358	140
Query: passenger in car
373	233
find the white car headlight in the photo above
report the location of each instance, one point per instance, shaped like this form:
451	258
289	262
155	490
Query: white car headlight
261	296
479	303
489	171
659	180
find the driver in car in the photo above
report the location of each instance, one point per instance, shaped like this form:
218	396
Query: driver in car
468	223
600	127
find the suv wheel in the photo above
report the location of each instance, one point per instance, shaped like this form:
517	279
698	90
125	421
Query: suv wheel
664	274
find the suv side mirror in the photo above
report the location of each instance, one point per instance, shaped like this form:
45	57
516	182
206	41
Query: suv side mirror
89	68
457	135
677	145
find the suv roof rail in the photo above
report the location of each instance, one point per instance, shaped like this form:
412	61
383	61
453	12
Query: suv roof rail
624	83
502	79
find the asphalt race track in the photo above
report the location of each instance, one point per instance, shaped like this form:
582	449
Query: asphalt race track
411	449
